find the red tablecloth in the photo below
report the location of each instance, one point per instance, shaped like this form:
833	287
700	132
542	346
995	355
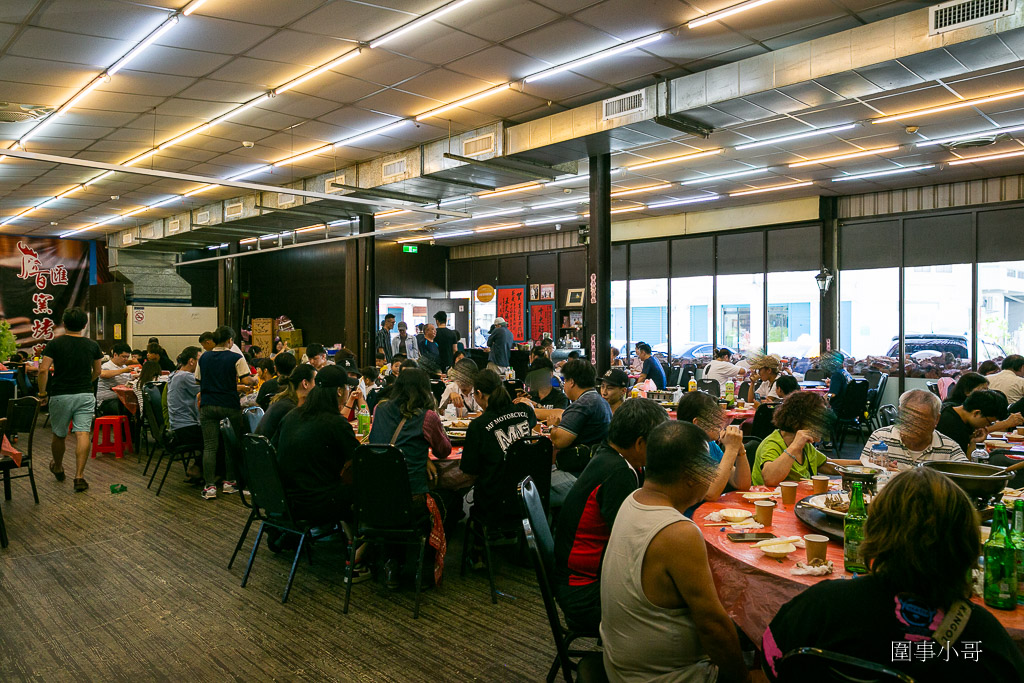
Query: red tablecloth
753	586
740	413
128	397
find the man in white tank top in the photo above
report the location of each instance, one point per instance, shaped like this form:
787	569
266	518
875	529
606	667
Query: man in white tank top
661	619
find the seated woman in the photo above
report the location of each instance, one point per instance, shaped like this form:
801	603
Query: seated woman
921	542
314	443
788	453
763	388
733	472
490	435
459	392
295	388
761	424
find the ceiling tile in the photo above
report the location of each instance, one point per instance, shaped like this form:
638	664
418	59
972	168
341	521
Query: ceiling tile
397	103
258	73
621	19
497	64
499	20
357	21
337	88
444	86
172	60
297	48
299	105
69	47
106	18
46	72
208	34
438	44
141	83
561	42
265	12
227	92
380	66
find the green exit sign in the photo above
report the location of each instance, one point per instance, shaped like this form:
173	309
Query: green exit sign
410	248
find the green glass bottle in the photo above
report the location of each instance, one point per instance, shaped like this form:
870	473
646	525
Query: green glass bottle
853	531
1000	563
1017	534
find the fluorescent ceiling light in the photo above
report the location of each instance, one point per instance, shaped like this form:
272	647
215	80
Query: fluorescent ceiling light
575	178
134	211
184	136
141	157
641	190
391	212
193	6
164	201
563	202
304	155
510	190
604	54
348	142
463	102
970	136
774	188
673	160
311	228
798	136
727	12
688	200
93	84
725	176
456	200
74	189
36	130
98	178
426	19
987	157
201	188
149	40
894	171
251	172
238	110
249	240
491	214
317	72
949	107
843	157
547	221
505	226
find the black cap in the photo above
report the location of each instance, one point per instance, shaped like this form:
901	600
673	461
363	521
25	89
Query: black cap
332	376
616	378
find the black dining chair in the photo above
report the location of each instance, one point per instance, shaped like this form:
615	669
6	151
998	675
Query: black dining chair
814	375
233	450
887	415
875	395
528	457
743	391
672	378
385	511
811	665
542	553
152	396
22	415
710	386
850	412
873	377
7	391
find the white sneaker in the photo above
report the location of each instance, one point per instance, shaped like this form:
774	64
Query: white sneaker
229	487
210	492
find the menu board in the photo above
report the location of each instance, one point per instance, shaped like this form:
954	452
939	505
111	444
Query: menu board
541	320
512	307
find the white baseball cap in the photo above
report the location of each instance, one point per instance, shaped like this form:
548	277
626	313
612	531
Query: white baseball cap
499	321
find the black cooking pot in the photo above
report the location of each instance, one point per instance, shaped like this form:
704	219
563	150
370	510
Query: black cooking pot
867	476
976	479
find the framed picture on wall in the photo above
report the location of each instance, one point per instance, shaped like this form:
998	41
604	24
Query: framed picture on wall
535	293
574	298
547	292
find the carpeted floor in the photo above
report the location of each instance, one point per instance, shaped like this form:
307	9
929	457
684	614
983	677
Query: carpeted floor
105	587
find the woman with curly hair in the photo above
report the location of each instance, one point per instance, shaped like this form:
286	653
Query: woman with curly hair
789	452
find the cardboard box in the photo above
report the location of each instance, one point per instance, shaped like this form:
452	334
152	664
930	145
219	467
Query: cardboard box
293	337
263	333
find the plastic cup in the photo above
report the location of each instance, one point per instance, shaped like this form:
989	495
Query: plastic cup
819	483
817	546
763	511
788	492
1020	431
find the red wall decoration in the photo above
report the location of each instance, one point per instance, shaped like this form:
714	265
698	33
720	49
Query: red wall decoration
541	320
512	307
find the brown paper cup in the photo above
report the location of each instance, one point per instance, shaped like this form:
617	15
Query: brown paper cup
788	492
763	511
817	546
819	482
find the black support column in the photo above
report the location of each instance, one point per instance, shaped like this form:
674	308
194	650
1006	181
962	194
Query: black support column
229	297
597	315
367	290
829	259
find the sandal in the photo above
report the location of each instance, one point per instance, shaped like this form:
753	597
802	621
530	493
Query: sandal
59	474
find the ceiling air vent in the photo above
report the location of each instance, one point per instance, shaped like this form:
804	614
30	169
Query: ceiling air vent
203	217
484	144
335	184
16	113
949	16
623	105
126	238
393	170
283	199
173	226
232	210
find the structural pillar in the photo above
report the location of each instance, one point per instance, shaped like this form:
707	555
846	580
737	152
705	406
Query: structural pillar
597	312
229	299
367	289
829	259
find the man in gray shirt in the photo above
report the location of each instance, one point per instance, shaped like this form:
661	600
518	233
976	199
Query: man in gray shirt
182	407
114	372
499	347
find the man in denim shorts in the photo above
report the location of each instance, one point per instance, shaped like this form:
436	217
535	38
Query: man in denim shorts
76	362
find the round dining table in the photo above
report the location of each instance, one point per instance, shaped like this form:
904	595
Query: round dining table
753	586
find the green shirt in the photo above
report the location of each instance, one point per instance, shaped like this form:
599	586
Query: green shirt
773	446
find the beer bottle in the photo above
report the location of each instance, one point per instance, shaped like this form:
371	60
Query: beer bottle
853	531
1017	534
1000	563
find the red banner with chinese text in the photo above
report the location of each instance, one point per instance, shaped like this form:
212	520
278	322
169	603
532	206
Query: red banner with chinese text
542	320
39	279
512	307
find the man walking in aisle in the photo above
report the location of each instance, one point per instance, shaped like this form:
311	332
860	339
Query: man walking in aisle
76	362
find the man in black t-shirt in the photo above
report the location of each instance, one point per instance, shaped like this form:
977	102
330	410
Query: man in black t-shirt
585	522
76	362
969	421
447	340
543	394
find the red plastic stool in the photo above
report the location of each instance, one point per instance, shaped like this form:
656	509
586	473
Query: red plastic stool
118	435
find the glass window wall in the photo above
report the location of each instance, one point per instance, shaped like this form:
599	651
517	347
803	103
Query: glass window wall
691	321
741	312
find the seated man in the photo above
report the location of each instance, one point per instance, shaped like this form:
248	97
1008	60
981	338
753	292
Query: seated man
542	393
1010	380
614	387
182	406
651	369
913	439
114	372
588	514
583	424
661	618
459	392
968	424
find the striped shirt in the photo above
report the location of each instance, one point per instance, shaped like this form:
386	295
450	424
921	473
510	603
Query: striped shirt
384	342
941	448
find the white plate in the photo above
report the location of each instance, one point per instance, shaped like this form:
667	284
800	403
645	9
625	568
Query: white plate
456	433
818	502
759	495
